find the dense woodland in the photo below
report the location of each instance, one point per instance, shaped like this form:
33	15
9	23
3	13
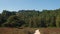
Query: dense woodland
30	18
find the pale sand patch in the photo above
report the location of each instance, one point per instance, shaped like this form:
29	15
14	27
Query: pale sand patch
37	31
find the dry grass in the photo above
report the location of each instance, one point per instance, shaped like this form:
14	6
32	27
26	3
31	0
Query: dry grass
29	30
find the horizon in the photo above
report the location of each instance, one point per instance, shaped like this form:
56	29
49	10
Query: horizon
31	9
15	5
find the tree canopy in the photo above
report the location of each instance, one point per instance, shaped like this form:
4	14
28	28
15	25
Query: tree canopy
30	18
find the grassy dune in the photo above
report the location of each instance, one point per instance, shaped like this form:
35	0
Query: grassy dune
29	30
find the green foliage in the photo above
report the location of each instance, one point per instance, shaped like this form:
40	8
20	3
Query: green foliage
30	18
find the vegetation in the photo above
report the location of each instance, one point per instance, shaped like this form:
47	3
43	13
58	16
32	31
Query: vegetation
30	18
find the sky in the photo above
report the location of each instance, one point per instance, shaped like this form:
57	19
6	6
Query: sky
15	5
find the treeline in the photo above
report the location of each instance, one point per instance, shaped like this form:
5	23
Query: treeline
30	18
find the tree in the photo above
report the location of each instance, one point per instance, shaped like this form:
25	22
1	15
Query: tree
14	21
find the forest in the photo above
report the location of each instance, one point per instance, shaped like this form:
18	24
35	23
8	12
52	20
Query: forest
30	18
